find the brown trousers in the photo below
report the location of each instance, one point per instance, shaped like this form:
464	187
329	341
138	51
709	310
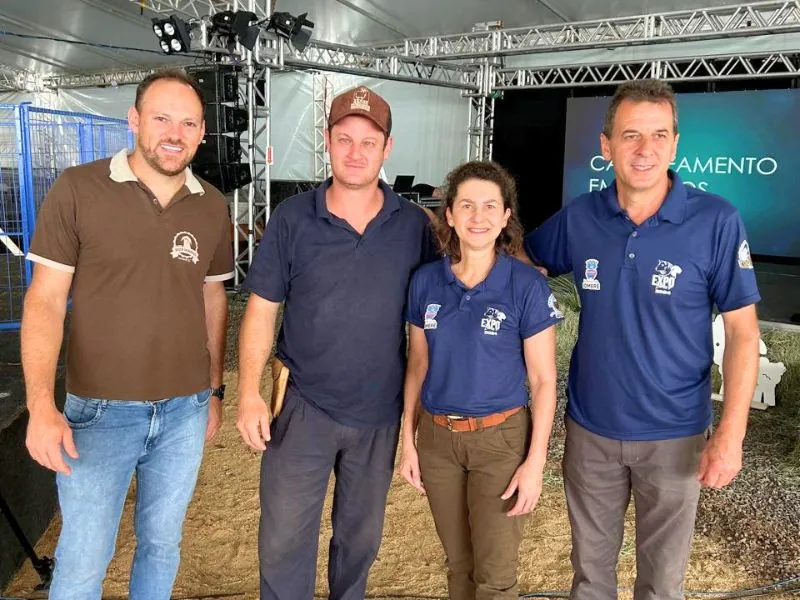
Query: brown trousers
600	475
464	474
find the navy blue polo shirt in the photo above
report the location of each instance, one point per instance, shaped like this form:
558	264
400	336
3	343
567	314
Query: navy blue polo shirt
343	331
476	365
641	368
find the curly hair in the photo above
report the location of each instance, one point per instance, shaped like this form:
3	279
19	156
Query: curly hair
510	239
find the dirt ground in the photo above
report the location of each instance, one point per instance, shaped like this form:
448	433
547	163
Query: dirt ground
220	546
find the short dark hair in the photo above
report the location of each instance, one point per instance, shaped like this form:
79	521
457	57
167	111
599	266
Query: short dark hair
178	75
510	239
641	90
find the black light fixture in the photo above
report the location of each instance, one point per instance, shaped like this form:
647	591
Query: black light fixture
240	25
222	23
292	28
245	27
173	35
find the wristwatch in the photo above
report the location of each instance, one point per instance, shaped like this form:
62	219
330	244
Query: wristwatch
219	392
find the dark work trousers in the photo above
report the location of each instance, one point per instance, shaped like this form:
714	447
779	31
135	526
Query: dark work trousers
306	445
600	475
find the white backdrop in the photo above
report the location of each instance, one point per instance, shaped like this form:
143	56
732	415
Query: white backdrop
429	123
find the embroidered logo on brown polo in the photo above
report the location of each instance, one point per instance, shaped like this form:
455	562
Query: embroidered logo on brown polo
184	247
360	100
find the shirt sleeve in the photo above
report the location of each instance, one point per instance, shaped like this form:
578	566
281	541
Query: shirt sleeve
548	244
733	280
56	241
414	312
221	267
539	309
269	273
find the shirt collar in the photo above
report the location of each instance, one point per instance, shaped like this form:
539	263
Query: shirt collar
497	279
120	171
673	209
391	202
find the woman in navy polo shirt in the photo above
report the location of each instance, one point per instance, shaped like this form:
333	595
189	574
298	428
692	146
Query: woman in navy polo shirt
481	326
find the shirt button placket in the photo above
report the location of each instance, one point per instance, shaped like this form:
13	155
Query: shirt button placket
630	250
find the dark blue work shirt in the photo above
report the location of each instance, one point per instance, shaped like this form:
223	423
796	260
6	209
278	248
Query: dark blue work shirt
641	368
343	333
476	365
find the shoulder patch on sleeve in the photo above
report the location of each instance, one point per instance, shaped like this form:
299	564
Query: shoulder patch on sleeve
555	312
743	256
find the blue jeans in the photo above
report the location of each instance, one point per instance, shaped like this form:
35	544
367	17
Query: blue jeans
163	443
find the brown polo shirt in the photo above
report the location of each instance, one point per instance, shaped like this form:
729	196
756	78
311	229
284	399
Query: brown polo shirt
137	329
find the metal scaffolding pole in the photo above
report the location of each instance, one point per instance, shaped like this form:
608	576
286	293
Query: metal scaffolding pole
481	112
250	219
481	127
323	95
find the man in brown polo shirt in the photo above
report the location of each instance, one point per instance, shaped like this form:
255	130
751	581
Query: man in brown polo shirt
143	247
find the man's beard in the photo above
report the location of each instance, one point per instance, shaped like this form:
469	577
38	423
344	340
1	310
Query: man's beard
151	158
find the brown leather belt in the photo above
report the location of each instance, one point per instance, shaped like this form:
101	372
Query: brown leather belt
459	423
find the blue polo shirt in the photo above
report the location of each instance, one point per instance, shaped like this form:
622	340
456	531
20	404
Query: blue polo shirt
641	368
476	365
343	331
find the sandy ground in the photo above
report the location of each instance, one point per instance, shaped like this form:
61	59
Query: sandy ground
220	546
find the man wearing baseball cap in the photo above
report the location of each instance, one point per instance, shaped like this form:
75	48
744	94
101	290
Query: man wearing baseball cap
340	258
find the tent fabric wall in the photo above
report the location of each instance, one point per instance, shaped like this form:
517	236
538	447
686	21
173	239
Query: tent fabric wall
430	123
429	126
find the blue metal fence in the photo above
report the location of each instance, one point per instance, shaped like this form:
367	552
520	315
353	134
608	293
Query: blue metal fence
36	145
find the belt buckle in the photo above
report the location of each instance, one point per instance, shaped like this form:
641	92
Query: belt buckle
450	419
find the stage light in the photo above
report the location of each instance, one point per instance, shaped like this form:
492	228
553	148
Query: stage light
292	28
173	35
245	27
222	23
240	25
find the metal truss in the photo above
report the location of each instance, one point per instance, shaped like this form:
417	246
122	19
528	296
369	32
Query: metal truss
323	95
701	68
752	19
197	9
481	127
12	79
82	80
368	63
251	204
272	52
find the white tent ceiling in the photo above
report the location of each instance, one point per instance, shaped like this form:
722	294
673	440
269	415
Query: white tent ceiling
352	22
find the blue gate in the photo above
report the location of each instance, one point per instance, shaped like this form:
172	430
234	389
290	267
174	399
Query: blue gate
36	145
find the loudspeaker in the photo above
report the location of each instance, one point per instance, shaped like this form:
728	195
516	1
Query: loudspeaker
219	158
218	149
219	84
226	178
221	118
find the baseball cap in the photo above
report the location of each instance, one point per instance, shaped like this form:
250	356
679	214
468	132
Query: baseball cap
363	102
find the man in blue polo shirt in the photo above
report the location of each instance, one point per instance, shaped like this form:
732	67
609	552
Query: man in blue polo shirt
651	257
341	258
